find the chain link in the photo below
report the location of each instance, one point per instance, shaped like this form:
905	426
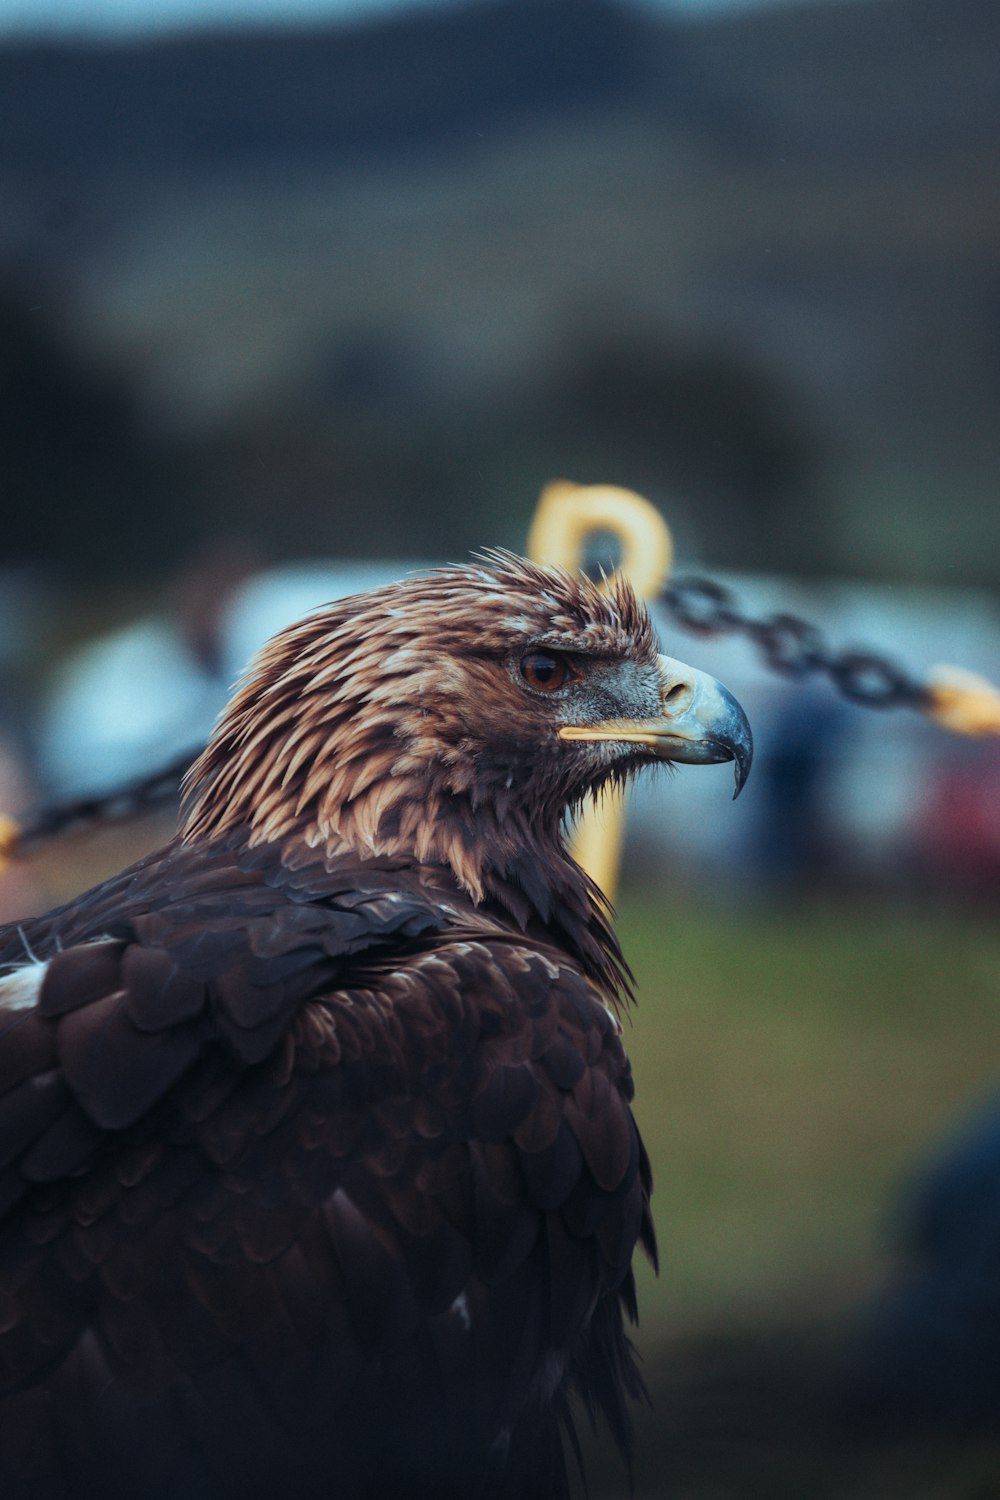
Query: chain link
792	647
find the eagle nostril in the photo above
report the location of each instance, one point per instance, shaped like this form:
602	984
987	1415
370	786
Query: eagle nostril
674	694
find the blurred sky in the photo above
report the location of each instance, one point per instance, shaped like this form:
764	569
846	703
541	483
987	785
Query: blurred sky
128	16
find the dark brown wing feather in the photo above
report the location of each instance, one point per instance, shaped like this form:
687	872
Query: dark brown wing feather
312	1184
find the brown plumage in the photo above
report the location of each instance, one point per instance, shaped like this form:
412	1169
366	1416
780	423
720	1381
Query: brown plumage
319	1175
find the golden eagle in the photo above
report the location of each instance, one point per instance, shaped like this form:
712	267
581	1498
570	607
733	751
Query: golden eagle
319	1173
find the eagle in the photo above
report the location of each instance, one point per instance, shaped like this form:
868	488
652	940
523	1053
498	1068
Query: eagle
319	1172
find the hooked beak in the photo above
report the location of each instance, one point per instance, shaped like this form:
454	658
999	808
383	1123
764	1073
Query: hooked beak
700	723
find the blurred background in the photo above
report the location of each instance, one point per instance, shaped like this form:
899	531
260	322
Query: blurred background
295	297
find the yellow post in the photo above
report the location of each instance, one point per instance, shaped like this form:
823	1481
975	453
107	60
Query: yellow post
567	515
10	833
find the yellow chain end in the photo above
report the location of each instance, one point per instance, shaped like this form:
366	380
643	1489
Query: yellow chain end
962	701
10	832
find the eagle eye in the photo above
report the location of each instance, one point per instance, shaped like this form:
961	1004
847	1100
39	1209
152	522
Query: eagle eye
545	671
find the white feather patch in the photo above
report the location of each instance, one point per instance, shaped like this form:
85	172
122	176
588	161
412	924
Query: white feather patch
19	990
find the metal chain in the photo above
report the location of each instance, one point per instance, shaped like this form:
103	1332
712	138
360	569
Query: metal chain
129	800
792	647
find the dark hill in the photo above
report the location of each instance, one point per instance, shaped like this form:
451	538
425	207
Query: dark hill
260	97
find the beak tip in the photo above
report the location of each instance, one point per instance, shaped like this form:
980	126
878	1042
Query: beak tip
738	740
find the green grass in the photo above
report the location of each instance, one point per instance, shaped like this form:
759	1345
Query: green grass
790	1068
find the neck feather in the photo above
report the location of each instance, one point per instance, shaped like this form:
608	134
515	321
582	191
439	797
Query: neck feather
509	862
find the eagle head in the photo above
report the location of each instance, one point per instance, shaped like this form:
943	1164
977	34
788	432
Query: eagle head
453	718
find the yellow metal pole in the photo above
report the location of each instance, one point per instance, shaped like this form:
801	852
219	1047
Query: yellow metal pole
567	515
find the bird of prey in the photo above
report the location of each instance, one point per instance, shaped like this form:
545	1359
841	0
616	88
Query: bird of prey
319	1174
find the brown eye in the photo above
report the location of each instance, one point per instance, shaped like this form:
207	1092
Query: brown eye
543	671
